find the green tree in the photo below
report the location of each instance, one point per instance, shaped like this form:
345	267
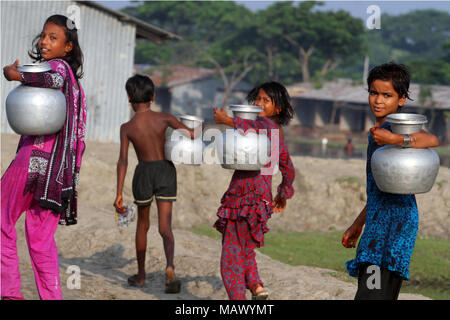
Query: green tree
195	20
418	39
434	71
217	34
413	35
419	32
278	60
333	37
341	39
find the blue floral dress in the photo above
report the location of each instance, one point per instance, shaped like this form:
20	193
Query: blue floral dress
391	226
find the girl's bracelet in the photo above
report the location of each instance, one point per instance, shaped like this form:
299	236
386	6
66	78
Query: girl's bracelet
406	140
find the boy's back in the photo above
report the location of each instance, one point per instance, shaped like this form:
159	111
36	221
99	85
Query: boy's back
146	131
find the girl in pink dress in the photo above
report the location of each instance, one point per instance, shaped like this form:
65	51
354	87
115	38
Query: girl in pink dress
43	177
247	204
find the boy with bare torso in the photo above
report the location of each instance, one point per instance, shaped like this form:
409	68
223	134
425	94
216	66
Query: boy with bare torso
154	177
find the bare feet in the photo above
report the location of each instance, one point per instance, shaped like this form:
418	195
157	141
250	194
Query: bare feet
258	293
173	285
170	274
257	289
136	281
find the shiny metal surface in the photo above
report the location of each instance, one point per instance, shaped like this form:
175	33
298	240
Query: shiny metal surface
35	67
181	149
405	170
406	123
247	112
243	151
191	121
35	111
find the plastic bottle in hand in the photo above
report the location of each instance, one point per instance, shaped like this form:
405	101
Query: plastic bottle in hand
122	220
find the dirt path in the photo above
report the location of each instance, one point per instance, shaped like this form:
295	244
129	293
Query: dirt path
105	254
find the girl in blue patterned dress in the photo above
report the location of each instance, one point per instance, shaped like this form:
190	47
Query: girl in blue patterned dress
247	205
391	220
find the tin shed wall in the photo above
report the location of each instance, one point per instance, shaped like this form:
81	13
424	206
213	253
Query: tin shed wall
108	48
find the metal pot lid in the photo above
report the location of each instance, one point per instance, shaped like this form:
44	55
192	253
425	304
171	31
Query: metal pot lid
406	118
35	67
192	118
245	108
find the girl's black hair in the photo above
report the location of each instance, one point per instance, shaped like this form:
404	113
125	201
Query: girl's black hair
75	57
280	97
397	73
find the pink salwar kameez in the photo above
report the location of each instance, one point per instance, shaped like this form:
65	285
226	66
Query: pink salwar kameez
40	227
29	186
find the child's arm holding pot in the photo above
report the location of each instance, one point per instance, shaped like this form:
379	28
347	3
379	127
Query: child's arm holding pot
51	79
420	139
11	73
221	117
176	124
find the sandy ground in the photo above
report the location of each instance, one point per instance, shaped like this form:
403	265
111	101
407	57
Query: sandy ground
326	199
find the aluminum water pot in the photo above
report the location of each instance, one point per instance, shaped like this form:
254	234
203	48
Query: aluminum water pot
239	150
33	110
181	149
405	170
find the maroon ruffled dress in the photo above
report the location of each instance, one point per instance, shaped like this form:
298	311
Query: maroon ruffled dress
245	209
249	195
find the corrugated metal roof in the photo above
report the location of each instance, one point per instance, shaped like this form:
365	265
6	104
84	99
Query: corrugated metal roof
343	90
143	29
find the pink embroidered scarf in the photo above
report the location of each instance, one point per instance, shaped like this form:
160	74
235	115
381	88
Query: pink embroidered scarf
55	160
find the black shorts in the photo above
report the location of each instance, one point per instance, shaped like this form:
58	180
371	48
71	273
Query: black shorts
154	179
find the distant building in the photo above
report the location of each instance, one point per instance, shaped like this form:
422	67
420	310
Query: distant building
107	38
345	105
194	91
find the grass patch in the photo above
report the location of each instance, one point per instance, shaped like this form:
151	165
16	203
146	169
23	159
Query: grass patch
443	151
207	230
348	180
429	268
441	183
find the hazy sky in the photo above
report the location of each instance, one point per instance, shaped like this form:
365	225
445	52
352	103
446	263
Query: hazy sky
356	8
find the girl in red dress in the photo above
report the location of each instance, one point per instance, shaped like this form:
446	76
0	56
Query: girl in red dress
247	205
